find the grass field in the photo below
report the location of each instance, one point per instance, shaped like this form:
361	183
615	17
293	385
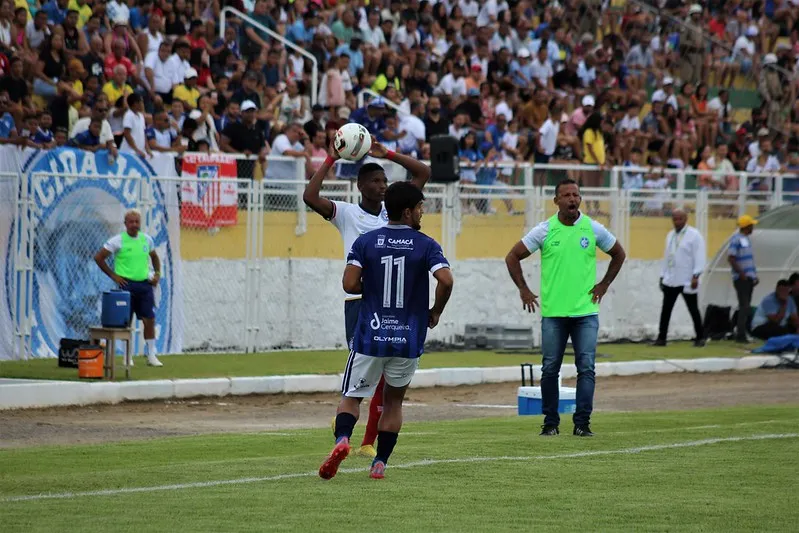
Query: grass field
716	470
332	362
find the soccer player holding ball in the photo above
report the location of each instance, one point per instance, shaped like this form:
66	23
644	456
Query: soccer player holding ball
353	221
391	267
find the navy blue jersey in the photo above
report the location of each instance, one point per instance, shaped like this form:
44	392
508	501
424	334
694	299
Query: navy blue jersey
395	262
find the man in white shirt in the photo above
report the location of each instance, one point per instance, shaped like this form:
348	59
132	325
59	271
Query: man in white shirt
683	263
99	112
548	133
408	36
178	63
666	93
411	143
453	84
156	70
470	8
134	140
542	70
289	143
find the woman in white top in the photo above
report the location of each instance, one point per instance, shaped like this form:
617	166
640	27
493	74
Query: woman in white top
291	108
206	127
6	16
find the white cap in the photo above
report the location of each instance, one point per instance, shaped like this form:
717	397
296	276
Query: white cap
588	100
190	73
696	8
658	97
121	20
523	52
752	31
668	81
770	59
246	105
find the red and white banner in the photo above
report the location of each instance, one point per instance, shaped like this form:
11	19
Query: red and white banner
210	200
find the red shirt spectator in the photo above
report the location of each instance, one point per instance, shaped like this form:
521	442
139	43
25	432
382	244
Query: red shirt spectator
718	27
4	64
197	43
112	60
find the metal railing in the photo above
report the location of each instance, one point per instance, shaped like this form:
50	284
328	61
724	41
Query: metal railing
277	37
373	94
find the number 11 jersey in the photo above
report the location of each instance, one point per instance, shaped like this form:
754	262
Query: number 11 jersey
395	262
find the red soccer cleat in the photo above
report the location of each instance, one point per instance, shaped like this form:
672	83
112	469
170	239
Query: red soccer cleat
378	470
331	464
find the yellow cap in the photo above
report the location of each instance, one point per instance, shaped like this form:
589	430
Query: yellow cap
746	220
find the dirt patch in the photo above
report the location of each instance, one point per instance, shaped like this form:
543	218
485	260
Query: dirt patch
281	413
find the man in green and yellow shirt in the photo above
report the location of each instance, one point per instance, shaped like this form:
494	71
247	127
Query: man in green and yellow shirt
133	251
570	298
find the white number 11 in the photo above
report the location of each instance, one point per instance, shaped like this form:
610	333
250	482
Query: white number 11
388	262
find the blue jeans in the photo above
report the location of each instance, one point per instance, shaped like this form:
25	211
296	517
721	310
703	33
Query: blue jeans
555	332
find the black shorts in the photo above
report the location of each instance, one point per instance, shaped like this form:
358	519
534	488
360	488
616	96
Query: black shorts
352	308
142	299
542	159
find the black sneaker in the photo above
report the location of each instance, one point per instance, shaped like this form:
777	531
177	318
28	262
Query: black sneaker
659	342
549	431
699	343
583	431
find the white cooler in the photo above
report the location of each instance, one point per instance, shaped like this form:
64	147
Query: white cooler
530	400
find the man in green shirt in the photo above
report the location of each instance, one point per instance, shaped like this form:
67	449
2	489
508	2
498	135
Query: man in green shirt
570	298
133	251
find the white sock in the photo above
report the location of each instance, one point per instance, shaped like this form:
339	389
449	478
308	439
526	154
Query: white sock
151	351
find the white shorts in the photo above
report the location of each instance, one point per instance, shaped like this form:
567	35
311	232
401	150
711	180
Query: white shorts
362	373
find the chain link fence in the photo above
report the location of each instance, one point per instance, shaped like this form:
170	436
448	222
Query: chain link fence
10	336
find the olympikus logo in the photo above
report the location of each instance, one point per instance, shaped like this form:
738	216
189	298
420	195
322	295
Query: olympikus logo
401	242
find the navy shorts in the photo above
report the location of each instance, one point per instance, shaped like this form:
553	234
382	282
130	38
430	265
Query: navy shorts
352	308
142	299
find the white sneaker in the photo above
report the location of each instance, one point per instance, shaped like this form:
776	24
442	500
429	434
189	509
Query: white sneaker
131	361
153	361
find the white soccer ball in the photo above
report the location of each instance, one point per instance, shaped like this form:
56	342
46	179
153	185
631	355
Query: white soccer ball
352	142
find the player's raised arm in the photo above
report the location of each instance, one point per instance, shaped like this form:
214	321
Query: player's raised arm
420	172
311	196
513	260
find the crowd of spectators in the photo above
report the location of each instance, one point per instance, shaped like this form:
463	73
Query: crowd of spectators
603	83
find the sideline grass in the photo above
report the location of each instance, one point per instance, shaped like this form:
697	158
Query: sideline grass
711	487
333	361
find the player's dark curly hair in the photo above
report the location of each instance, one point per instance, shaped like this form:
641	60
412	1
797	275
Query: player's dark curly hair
400	196
368	168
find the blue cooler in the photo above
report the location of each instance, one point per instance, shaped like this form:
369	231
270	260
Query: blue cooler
116	309
529	397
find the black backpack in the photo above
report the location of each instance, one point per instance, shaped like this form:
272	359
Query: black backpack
717	322
68	352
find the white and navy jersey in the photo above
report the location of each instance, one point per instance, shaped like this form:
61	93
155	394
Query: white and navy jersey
395	263
352	222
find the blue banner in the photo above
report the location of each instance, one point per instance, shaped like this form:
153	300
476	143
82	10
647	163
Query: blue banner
76	202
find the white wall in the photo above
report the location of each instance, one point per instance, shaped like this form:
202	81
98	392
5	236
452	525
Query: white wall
302	303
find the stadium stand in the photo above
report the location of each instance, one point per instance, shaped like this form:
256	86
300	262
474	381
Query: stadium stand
676	80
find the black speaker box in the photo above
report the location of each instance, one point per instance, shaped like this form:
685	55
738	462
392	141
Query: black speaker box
444	162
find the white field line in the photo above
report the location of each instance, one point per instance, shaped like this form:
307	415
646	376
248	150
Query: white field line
694	428
415	464
485	405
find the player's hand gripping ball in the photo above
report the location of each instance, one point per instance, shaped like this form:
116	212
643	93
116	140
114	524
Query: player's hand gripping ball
352	141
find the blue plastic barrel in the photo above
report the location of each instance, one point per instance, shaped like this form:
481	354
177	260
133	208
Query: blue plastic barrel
116	309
